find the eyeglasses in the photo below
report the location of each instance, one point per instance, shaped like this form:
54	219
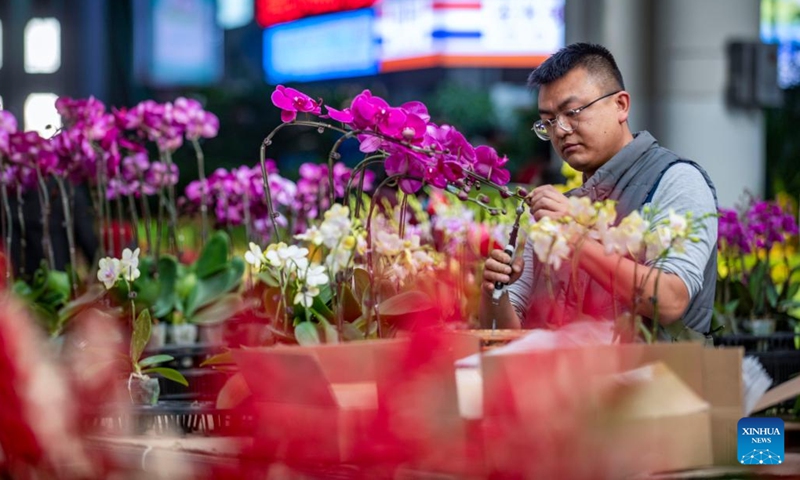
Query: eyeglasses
567	120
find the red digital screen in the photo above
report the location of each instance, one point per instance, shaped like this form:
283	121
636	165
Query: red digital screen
270	12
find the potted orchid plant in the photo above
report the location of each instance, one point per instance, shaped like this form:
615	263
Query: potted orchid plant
120	275
758	278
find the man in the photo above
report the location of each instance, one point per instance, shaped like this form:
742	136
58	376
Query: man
584	111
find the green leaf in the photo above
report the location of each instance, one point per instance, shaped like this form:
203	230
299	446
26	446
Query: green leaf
306	334
233	393
791	291
169	374
225	358
22	289
405	303
351	307
141	334
321	307
325	294
269	278
351	332
219	311
772	294
331	335
209	289
214	256
730	307
154	359
755	283
361	283
58	283
167	280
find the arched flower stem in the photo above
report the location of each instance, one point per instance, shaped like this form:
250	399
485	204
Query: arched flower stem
387	182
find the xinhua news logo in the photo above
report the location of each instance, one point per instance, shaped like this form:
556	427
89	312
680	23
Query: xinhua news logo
760	441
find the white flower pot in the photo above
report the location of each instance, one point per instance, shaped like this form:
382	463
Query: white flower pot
144	390
762	326
212	334
183	334
158	336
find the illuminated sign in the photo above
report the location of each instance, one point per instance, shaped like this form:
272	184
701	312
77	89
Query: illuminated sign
270	12
410	34
326	46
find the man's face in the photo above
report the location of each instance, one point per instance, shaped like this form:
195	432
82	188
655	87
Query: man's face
598	131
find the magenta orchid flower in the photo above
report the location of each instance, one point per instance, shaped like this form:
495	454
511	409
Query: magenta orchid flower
373	113
345	116
404	162
489	165
291	101
197	122
8	125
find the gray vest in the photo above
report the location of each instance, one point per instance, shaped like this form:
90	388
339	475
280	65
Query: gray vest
631	178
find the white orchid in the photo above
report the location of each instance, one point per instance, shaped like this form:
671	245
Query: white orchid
582	210
305	296
314	275
336	225
549	242
255	256
388	243
280	255
109	271
670	233
338	260
627	237
312	235
129	264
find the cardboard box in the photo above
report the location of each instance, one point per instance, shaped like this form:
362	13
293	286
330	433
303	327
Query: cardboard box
356	401
691	423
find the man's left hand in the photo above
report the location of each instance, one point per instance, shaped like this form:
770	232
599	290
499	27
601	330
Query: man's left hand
546	201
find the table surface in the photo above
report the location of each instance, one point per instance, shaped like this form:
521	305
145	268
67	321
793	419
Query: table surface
145	450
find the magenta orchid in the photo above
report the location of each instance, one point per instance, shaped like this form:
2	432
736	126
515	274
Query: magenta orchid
8	125
291	101
489	165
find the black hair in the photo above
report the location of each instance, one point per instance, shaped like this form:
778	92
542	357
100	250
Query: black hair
596	59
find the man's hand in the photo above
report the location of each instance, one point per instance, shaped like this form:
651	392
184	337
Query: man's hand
546	201
499	268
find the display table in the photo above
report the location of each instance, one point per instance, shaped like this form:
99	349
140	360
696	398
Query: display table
196	456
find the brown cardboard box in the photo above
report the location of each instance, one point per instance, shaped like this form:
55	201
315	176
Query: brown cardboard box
312	403
356	401
691	423
715	374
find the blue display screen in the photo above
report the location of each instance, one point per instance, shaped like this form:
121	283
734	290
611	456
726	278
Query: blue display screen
337	45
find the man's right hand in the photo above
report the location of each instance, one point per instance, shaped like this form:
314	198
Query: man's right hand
499	268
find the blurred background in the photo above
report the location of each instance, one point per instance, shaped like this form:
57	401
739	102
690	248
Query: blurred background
714	80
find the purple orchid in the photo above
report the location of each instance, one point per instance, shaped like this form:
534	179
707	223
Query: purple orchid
769	224
374	113
8	125
404	162
197	122
731	231
345	116
291	101
489	165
